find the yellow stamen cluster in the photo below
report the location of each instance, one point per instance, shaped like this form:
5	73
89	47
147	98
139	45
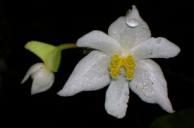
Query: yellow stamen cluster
117	62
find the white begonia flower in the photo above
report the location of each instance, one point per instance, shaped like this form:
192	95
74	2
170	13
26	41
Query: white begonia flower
42	78
122	59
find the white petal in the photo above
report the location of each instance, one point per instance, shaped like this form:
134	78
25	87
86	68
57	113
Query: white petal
91	73
150	85
117	97
34	68
129	30
42	80
100	41
155	48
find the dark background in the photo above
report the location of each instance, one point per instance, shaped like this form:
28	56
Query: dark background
58	22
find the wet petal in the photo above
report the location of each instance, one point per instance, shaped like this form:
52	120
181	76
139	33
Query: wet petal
100	41
129	30
150	85
42	81
155	48
91	73
117	97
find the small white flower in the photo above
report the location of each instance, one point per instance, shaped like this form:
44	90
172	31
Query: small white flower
43	73
42	78
121	59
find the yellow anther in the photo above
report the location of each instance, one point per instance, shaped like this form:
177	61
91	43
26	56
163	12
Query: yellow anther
117	62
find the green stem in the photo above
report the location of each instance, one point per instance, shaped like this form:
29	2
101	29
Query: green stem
66	46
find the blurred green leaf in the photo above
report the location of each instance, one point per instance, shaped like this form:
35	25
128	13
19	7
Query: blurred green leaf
182	119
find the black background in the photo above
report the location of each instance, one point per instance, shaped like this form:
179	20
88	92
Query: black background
58	22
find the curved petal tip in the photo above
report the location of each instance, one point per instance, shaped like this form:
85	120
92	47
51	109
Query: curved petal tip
66	92
34	68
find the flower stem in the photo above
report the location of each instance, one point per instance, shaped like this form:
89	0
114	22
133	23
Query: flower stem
66	46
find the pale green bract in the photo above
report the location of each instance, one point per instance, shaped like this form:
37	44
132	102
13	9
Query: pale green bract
49	54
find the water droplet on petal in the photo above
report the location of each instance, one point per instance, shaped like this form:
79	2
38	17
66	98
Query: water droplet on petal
132	23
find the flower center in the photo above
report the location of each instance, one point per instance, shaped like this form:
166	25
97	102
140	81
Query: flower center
118	62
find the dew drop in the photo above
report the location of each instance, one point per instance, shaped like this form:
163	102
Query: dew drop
132	23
